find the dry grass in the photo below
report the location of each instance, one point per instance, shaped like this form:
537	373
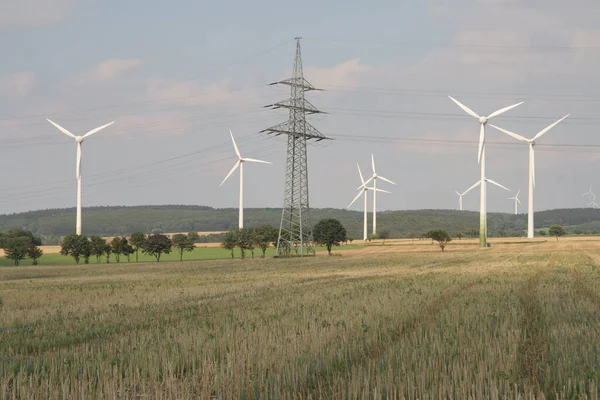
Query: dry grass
512	321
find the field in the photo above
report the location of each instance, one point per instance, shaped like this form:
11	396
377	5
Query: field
517	320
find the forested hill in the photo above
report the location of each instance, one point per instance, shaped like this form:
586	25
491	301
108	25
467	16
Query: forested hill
177	218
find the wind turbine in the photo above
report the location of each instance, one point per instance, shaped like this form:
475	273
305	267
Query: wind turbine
460	195
240	163
517	202
363	190
374	178
481	159
79	141
531	143
590	192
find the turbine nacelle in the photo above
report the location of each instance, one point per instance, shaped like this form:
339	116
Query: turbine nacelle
79	139
483	120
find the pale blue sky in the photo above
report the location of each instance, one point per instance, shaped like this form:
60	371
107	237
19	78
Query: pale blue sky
176	75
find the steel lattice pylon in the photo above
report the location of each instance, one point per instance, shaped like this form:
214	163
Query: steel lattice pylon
295	230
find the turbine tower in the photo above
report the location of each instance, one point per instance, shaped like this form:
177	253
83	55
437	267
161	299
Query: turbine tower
481	159
531	143
240	163
517	202
79	141
460	195
374	178
295	229
363	190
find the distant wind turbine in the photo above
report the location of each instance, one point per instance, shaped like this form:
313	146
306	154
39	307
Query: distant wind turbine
240	163
460	195
481	159
363	191
531	143
591	193
517	202
374	178
79	141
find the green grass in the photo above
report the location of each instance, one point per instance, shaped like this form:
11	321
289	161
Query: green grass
520	323
200	253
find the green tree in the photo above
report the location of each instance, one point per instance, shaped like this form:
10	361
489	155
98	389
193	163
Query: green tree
137	240
383	234
351	239
557	231
542	232
329	232
440	236
459	235
157	245
183	243
265	235
229	241
245	240
127	249
107	252
14	233
76	246
98	244
34	253
15	248
116	246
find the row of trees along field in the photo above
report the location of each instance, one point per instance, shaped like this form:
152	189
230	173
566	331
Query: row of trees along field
19	244
327	232
81	247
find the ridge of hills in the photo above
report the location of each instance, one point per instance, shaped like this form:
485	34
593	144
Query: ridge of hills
123	220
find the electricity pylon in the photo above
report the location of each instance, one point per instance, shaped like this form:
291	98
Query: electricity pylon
295	230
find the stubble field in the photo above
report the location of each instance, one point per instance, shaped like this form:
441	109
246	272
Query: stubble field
407	321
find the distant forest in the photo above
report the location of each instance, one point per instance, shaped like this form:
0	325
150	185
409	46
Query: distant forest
108	221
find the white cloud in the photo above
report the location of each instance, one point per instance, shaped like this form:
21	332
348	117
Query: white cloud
344	74
19	84
30	13
192	93
108	70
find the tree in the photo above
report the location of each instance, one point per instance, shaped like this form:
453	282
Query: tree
34	253
245	241
19	233
76	246
351	239
127	249
107	252
329	232
265	235
557	231
116	246
137	240
383	234
229	241
183	243
98	244
157	245
440	236
459	235
15	248
542	232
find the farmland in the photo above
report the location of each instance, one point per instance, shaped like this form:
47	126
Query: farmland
404	320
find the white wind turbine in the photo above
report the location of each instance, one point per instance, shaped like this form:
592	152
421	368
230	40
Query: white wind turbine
531	143
517	202
481	159
79	141
374	178
460	195
591	193
363	191
240	163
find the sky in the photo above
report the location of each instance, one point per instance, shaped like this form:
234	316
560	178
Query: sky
176	76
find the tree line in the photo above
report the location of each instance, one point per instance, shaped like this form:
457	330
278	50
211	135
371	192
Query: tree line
81	247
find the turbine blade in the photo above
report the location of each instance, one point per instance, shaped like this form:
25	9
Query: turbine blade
471	188
235	145
497	184
532	163
481	140
356	198
509	133
257	161
378	190
362	180
60	128
366	183
518	191
465	108
79	157
235	166
90	133
385	179
456	191
373	163
518	201
546	129
503	110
